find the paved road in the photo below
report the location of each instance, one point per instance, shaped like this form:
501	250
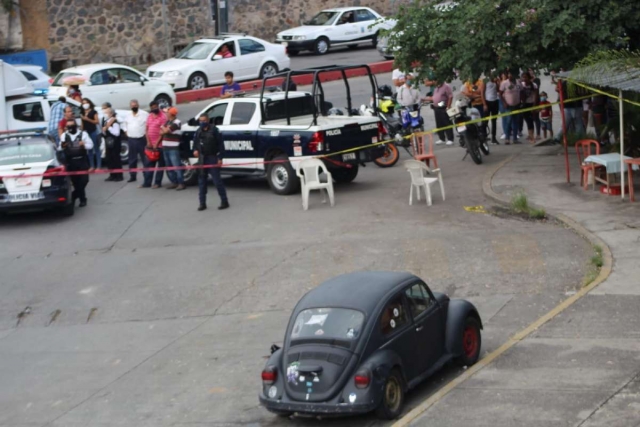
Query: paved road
145	312
337	56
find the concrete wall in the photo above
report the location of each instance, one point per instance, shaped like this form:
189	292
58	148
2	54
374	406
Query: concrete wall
125	31
35	24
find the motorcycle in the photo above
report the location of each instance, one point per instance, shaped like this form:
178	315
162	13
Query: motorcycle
471	135
398	122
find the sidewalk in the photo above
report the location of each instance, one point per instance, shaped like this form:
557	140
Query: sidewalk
582	368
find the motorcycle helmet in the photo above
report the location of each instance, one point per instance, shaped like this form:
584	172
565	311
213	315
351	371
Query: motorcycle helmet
387	106
385	90
462	103
335	112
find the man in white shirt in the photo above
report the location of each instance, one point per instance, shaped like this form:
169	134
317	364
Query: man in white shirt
76	143
408	95
398	78
135	126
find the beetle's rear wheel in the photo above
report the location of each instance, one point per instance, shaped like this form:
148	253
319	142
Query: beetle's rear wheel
392	397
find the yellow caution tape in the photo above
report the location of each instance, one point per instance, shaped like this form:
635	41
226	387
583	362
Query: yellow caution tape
475	209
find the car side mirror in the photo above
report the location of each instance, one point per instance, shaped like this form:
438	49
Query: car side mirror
193	122
142	80
217	57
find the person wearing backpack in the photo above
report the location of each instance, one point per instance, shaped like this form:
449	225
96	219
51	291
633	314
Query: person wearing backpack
76	144
209	149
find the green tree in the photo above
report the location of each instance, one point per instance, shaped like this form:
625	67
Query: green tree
474	36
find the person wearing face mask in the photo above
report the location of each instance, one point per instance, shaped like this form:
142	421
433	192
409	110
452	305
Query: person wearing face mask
155	121
74	93
90	126
209	149
546	116
76	144
113	144
135	127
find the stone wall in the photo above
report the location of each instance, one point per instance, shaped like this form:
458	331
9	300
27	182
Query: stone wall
10	29
35	24
265	18
128	32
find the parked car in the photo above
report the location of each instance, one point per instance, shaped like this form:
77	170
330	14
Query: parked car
342	26
359	341
26	154
117	84
36	76
201	63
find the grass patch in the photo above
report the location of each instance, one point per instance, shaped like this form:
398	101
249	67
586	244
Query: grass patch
520	206
595	264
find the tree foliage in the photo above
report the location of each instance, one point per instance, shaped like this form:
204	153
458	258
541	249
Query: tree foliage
474	36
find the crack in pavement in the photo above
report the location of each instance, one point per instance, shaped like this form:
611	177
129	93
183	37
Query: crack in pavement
600	406
129	227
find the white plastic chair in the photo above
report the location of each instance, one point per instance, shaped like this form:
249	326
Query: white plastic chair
417	170
309	173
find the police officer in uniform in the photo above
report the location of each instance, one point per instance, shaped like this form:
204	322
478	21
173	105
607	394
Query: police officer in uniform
75	144
208	148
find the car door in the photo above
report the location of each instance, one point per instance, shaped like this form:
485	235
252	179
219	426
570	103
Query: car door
346	28
364	21
252	54
240	136
126	86
398	334
220	66
428	325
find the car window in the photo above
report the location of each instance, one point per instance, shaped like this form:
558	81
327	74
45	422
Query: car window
242	113
323	18
217	110
124	76
31	112
364	15
25	151
393	316
418	298
346	18
196	50
335	323
249	46
230	45
29	76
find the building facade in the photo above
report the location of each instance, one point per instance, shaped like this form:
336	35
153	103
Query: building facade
141	32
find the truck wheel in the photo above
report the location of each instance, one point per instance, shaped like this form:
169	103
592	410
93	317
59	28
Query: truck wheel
281	176
190	175
69	209
345	175
392	397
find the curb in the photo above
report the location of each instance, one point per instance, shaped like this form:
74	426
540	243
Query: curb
214	91
605	271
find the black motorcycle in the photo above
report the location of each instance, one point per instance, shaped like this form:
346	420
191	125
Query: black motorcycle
472	137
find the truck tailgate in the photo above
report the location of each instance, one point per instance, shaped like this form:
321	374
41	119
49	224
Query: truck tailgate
349	136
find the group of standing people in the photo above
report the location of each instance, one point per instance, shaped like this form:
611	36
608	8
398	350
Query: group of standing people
153	138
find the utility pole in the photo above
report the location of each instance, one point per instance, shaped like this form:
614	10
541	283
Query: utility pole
167	35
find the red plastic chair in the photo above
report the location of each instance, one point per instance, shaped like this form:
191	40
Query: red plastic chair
423	153
583	150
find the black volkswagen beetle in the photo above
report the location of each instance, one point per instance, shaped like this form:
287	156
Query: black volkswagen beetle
359	341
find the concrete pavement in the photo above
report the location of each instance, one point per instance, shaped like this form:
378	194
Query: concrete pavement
582	367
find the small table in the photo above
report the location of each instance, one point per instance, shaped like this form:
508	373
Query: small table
611	162
631	165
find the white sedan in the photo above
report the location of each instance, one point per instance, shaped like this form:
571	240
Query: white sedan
342	26
38	78
204	62
117	84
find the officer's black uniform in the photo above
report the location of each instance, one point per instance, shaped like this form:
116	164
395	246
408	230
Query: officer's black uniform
208	143
76	159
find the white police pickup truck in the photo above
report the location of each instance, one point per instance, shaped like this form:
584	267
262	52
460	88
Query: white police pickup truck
289	127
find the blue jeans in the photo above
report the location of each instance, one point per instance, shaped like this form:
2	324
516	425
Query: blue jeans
148	176
95	156
136	150
501	110
172	158
512	122
217	180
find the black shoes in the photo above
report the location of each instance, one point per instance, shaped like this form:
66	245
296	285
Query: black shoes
131	180
82	204
495	141
223	205
109	179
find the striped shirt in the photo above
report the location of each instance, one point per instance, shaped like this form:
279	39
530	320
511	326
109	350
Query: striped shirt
172	140
57	114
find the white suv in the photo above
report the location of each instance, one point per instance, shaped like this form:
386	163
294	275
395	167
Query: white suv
117	84
201	63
